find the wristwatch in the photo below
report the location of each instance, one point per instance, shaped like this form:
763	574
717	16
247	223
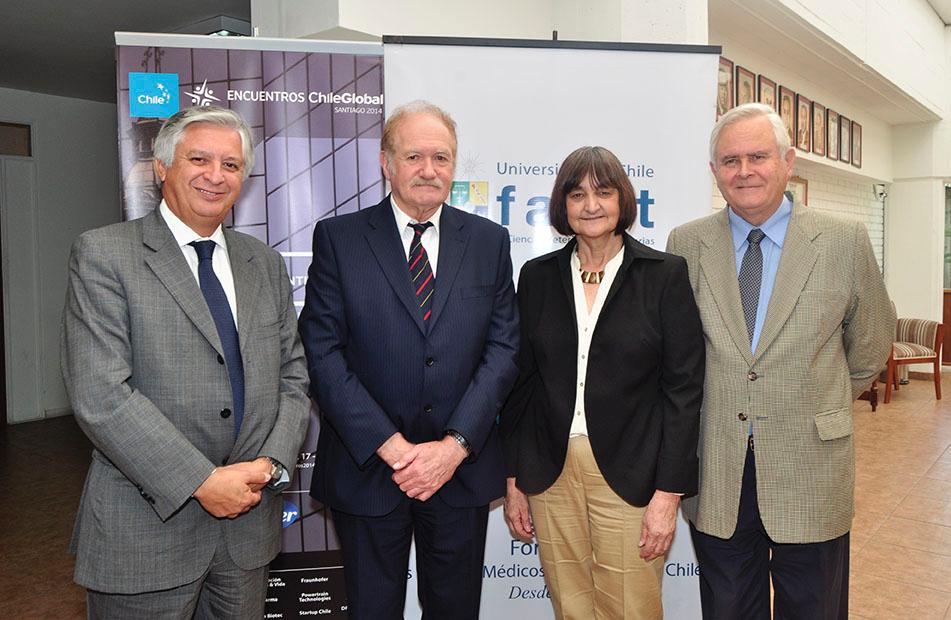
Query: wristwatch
277	472
461	440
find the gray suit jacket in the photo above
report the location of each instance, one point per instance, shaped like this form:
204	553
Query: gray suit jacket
828	332
141	362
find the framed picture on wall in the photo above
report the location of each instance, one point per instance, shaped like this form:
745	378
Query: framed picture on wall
745	86
818	129
803	123
766	91
798	190
856	145
832	122
845	139
724	86
787	111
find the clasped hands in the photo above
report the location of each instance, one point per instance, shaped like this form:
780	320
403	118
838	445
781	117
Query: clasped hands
657	525
232	490
421	469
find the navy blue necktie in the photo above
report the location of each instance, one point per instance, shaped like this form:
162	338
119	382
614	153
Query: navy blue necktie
224	321
424	280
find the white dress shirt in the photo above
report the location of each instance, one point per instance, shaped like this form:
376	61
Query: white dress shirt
430	237
219	260
586	324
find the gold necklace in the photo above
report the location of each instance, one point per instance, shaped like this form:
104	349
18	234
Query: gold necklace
591	277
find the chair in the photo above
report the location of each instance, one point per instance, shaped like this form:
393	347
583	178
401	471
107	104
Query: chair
917	341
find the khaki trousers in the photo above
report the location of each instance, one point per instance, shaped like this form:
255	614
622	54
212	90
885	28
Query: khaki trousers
587	540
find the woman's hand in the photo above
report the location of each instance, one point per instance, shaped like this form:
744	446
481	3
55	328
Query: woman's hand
659	524
518	515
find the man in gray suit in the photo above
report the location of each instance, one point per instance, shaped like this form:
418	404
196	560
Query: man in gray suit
183	365
797	324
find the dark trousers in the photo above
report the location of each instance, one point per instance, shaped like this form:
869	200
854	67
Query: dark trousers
811	581
450	546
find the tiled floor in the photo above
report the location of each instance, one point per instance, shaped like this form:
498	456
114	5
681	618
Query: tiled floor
901	538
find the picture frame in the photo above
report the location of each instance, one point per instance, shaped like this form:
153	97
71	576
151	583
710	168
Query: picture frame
803	123
856	145
787	111
766	92
745	86
832	129
725	89
818	129
845	139
798	190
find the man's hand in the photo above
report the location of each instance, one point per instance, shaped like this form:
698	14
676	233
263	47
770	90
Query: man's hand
518	515
230	490
260	464
658	524
427	466
393	449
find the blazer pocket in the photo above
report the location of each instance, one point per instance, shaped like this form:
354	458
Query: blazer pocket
476	291
834	424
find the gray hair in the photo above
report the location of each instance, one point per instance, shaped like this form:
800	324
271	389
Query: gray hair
388	139
745	111
170	135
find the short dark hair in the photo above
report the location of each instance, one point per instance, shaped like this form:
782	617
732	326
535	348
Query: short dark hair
604	170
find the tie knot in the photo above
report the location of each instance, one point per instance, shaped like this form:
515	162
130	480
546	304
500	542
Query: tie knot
204	249
756	235
420	228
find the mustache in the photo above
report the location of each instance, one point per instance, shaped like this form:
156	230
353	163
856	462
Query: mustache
427	183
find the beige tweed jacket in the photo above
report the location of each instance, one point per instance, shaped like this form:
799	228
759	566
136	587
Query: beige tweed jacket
828	331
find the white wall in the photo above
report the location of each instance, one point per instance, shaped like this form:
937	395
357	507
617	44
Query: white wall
876	135
76	173
903	40
915	247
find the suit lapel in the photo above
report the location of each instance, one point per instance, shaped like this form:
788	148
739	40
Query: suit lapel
630	253
387	248
718	268
169	266
453	239
796	262
247	285
563	260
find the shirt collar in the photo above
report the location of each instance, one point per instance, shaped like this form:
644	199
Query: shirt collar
609	267
774	228
402	219
185	235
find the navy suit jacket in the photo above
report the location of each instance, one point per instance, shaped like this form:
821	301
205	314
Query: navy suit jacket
376	368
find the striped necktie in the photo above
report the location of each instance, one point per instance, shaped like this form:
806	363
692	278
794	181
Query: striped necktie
421	272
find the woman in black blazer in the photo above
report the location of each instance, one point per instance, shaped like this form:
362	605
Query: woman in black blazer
600	431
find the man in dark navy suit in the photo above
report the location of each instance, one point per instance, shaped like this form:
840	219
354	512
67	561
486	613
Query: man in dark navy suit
411	332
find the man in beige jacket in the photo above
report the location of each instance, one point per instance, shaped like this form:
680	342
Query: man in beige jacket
797	324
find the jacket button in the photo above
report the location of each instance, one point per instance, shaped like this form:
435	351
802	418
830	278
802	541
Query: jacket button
226	413
430	361
221	360
742	417
752	376
428	409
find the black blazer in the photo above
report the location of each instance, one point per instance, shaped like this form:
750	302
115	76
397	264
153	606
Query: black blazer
645	376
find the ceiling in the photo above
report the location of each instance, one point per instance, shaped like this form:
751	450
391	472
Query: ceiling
943	9
795	44
66	47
